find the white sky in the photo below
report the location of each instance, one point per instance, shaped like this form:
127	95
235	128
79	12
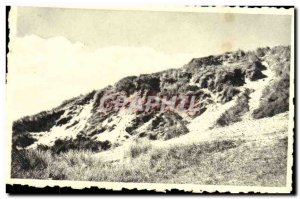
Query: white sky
61	53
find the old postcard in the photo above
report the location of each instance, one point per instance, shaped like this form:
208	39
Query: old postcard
189	98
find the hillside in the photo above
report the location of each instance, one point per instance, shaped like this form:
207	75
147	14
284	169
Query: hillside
235	114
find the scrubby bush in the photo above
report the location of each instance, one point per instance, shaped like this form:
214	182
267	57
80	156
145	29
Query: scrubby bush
254	74
261	52
280	61
30	163
234	113
98	96
79	100
282	69
175	131
275	99
63	121
148	82
43	121
198	63
22	140
253	71
188	88
77	144
227	92
138	121
166	126
280	50
126	84
206	80
68	101
174	81
137	148
85	98
233	77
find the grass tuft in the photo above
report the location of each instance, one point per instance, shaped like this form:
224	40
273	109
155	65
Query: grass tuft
234	113
223	162
137	148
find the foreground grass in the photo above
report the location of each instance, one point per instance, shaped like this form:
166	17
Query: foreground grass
224	162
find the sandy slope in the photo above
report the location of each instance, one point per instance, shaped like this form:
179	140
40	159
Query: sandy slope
264	131
258	87
61	132
201	128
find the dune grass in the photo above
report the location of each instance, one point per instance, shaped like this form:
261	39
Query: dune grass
235	113
215	162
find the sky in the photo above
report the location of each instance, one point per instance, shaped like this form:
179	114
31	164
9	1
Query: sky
169	32
60	53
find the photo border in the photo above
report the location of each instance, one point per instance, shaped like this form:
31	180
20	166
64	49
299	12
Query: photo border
64	186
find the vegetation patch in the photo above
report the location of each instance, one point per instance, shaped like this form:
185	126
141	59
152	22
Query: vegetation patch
224	162
147	164
79	143
234	113
166	126
43	121
275	97
22	140
138	147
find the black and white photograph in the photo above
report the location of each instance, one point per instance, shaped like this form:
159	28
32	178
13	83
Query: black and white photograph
152	98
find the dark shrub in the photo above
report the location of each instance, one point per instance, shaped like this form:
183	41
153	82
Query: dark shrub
29	164
227	93
275	99
234	113
253	70
63	121
67	102
254	74
206	80
166	126
188	88
204	61
258	65
43	121
86	98
73	124
98	96
234	78
79	143
22	140
126	84
148	82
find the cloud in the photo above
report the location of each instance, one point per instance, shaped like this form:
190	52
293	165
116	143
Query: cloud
44	72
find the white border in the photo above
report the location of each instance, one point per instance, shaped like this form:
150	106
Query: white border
59	4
